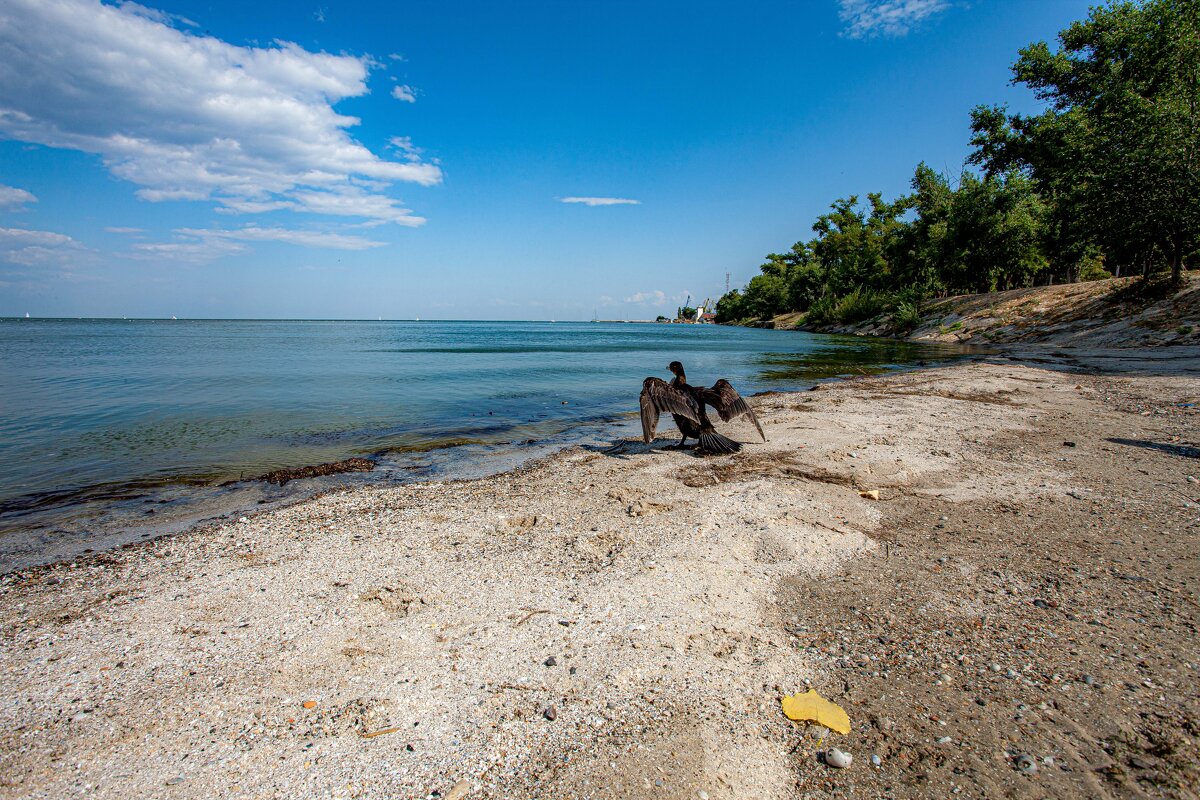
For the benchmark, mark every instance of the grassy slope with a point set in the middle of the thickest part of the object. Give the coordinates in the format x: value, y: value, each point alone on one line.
x: 1099, y: 314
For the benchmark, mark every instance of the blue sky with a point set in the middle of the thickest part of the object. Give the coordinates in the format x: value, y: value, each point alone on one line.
x: 463, y: 160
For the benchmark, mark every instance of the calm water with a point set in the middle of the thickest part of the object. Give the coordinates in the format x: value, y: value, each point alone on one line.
x: 101, y: 418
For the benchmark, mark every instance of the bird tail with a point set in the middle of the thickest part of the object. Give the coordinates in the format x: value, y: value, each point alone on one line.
x: 713, y: 442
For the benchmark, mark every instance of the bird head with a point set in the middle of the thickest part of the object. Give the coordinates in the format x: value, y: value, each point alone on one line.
x: 676, y: 368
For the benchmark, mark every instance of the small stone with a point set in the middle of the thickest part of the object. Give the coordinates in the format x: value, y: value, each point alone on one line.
x: 1068, y: 444
x: 702, y: 795
x: 1026, y: 764
x: 944, y: 740
x: 459, y: 790
x: 550, y: 713
x: 550, y: 662
x: 818, y: 732
x: 178, y: 779
x: 1041, y: 603
x: 876, y: 760
x: 837, y: 759
x: 1089, y: 680
x: 309, y: 704
x: 997, y: 668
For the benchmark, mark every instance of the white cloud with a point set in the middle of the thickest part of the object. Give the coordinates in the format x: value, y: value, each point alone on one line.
x: 658, y: 297
x: 131, y: 231
x: 199, y: 245
x: 405, y: 145
x: 193, y: 251
x: 33, y: 248
x: 654, y: 298
x: 12, y: 197
x: 153, y: 13
x: 253, y: 233
x: 404, y: 93
x: 869, y: 18
x: 192, y: 117
x: 601, y: 201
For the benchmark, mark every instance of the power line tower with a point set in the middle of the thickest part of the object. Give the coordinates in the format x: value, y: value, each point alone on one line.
x: 726, y: 283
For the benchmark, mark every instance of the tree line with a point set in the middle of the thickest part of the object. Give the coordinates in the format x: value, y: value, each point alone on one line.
x: 1105, y: 181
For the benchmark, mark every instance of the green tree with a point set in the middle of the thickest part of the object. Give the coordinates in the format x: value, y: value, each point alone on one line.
x: 993, y: 235
x: 1118, y: 150
x: 855, y: 248
x: 731, y: 307
x: 919, y: 255
x: 765, y: 296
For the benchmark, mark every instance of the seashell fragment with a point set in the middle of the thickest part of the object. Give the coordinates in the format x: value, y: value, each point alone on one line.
x: 1026, y: 764
x: 837, y: 759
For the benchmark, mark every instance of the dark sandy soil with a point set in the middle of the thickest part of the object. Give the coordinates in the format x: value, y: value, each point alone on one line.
x: 1058, y: 627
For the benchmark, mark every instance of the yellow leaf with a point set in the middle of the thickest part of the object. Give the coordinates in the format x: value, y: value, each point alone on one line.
x: 810, y: 706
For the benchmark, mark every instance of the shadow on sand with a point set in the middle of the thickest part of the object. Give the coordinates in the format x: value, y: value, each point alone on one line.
x: 1170, y: 360
x: 1187, y: 451
x: 624, y: 448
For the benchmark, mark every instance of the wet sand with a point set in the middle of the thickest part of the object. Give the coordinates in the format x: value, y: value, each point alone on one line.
x: 621, y: 622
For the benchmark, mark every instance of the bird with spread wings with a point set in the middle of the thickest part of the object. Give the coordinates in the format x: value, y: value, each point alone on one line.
x: 685, y: 403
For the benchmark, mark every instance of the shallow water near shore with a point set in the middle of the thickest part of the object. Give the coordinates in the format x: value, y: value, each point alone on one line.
x: 114, y: 430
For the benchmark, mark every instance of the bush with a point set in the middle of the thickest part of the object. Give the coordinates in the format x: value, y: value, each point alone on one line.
x: 1092, y: 268
x: 906, y: 317
x: 821, y: 312
x: 859, y: 305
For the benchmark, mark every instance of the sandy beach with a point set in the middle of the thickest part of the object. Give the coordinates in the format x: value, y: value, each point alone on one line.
x: 622, y: 622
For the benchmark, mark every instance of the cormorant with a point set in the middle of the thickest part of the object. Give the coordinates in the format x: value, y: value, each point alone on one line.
x: 686, y: 404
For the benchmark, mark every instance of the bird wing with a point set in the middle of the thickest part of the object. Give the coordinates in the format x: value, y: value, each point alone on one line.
x: 659, y: 396
x: 729, y: 404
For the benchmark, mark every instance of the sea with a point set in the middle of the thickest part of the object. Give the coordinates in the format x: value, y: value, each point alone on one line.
x: 113, y: 431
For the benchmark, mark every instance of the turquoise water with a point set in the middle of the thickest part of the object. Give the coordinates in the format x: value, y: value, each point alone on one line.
x: 99, y: 413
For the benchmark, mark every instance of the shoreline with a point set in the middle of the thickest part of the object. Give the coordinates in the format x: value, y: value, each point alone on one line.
x: 677, y: 597
x: 208, y: 503
x: 176, y: 506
